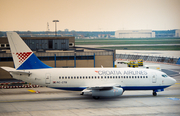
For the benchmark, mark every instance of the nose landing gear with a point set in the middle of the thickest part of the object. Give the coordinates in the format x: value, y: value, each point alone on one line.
x: 154, y: 93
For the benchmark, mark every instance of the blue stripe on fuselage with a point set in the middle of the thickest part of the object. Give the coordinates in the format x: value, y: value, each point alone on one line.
x: 143, y: 87
x: 33, y: 63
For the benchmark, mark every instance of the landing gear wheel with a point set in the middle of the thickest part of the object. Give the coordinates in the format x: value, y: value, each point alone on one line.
x: 154, y: 93
x: 96, y: 97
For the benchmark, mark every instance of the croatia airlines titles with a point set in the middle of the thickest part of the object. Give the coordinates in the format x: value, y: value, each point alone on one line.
x: 115, y: 72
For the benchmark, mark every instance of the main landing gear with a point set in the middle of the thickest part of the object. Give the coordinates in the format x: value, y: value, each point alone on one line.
x: 96, y: 97
x: 154, y: 93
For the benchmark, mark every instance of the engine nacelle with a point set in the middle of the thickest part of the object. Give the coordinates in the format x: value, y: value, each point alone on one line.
x: 115, y: 91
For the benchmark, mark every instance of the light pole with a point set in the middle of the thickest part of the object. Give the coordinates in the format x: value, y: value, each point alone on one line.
x: 55, y: 26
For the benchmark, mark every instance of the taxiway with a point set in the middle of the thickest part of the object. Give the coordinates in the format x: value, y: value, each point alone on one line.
x: 58, y: 102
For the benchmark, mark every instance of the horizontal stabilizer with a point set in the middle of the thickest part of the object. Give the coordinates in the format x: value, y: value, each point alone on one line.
x: 12, y: 70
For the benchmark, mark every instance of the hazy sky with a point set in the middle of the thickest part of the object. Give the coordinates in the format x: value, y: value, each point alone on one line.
x: 89, y: 15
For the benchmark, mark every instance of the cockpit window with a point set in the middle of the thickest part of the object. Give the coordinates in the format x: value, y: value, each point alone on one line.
x: 164, y: 76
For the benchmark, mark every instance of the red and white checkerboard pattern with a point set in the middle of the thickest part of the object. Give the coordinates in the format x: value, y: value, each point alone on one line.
x: 22, y: 56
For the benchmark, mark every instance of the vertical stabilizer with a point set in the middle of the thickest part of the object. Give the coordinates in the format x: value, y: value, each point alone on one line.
x: 22, y: 55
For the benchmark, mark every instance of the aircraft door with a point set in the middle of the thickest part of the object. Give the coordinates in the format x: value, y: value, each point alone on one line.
x: 48, y: 78
x: 154, y: 78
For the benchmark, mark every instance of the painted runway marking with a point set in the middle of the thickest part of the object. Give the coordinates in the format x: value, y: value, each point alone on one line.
x: 173, y: 98
x: 32, y: 91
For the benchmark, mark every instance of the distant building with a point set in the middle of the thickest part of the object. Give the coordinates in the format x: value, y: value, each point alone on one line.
x: 104, y: 35
x: 66, y: 30
x: 147, y: 33
x: 43, y: 43
x: 134, y: 34
x: 177, y: 33
x: 165, y: 33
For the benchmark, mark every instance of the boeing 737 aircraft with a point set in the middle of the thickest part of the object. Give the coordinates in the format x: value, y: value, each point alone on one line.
x: 99, y: 82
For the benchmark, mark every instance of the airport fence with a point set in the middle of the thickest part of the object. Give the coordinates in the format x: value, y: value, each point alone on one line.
x: 149, y: 58
x: 38, y: 54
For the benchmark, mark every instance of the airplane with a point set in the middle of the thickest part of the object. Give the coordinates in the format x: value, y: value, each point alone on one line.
x: 98, y: 82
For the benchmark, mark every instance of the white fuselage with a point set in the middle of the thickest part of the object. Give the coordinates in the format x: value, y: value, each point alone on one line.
x: 81, y: 78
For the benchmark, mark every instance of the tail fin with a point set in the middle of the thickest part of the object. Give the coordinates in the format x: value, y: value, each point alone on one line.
x: 22, y: 55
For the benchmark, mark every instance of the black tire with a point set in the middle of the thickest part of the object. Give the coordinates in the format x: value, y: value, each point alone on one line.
x: 96, y: 97
x: 154, y: 93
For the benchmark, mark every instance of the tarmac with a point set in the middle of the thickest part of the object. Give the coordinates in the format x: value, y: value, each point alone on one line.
x: 21, y: 102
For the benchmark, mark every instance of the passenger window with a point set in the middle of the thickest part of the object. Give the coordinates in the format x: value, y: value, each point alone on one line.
x: 65, y: 77
x: 68, y: 77
x: 143, y: 76
x: 146, y: 76
x: 101, y: 77
x: 132, y: 76
x: 74, y: 77
x: 62, y: 77
x: 129, y: 76
x: 59, y: 77
x: 71, y: 77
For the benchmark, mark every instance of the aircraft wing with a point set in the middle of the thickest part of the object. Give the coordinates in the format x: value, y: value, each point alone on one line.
x: 101, y: 87
x: 13, y: 70
x: 105, y: 86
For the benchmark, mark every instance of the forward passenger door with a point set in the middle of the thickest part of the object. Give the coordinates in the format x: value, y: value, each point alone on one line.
x: 154, y: 78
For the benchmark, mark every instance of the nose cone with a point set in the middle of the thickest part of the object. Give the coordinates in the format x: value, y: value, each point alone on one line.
x: 173, y: 81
